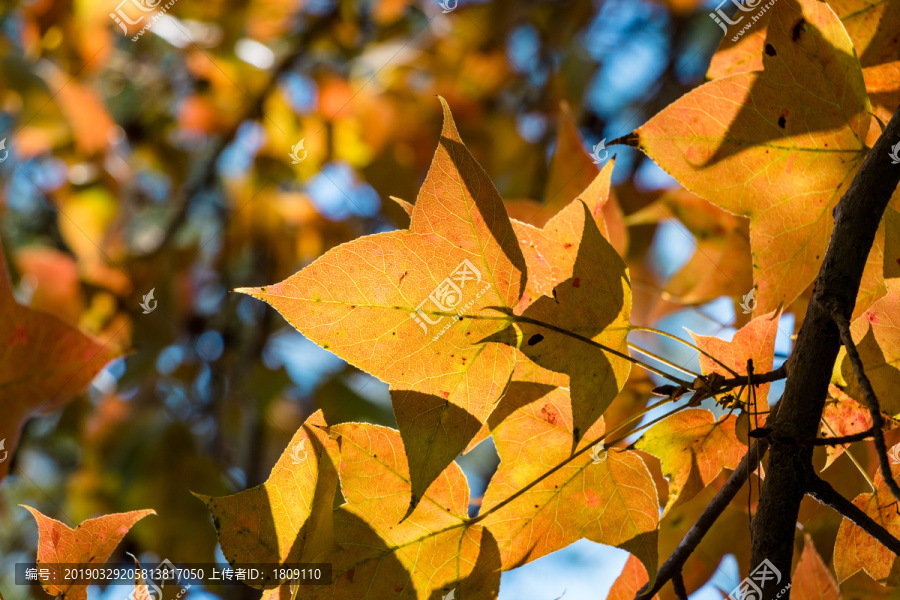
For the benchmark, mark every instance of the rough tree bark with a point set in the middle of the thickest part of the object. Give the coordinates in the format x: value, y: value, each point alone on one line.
x: 809, y: 368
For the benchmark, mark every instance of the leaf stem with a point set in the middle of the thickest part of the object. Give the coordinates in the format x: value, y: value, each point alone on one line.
x: 662, y: 360
x: 688, y: 344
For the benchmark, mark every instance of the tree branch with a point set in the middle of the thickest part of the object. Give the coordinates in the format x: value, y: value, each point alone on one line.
x: 843, y: 326
x: 821, y: 490
x: 675, y: 563
x: 678, y: 584
x: 857, y: 217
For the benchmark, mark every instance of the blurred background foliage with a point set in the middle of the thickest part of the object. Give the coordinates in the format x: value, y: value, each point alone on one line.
x: 163, y: 163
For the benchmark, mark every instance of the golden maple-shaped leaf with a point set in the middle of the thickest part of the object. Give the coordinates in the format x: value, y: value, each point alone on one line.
x: 591, y: 299
x: 779, y: 146
x: 44, y: 363
x: 389, y: 304
x: 856, y: 550
x: 287, y: 519
x: 541, y: 499
x: 756, y: 341
x: 632, y: 579
x: 434, y: 551
x: 877, y: 336
x: 693, y: 448
x: 871, y: 26
x: 812, y: 580
x: 91, y: 543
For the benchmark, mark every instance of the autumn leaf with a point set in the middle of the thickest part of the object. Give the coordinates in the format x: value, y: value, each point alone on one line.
x: 693, y: 448
x: 875, y: 333
x: 812, y: 580
x: 844, y: 416
x: 591, y: 303
x: 756, y: 341
x: 44, y: 363
x: 388, y: 303
x: 779, y: 146
x: 632, y: 579
x: 856, y: 550
x: 870, y: 26
x: 541, y: 499
x: 433, y: 551
x: 287, y: 519
x: 91, y: 543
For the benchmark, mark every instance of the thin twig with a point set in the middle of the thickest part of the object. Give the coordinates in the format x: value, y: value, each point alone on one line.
x: 843, y: 326
x: 821, y: 490
x: 678, y: 584
x: 838, y: 441
x: 675, y: 563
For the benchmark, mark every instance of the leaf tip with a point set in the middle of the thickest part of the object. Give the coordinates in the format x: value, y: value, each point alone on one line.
x: 633, y: 140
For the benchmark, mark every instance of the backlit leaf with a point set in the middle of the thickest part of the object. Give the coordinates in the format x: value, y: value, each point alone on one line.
x: 779, y: 146
x: 435, y: 550
x: 811, y: 578
x: 387, y: 303
x: 287, y: 519
x: 91, y: 543
x: 44, y: 363
x: 592, y: 300
x: 856, y: 550
x: 605, y: 496
x: 632, y: 579
x: 693, y: 448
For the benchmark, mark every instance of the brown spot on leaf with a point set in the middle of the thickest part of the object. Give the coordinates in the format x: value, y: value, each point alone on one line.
x: 770, y: 50
x: 536, y: 338
x: 798, y: 28
x: 576, y: 283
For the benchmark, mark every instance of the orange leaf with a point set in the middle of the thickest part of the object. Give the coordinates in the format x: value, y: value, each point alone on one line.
x: 779, y: 146
x: 433, y: 551
x: 592, y: 300
x: 44, y: 363
x: 632, y: 579
x: 856, y: 550
x: 607, y: 497
x: 755, y: 340
x: 91, y: 543
x: 869, y: 25
x: 876, y: 335
x: 845, y: 416
x: 812, y: 580
x: 388, y: 303
x: 693, y: 448
x: 287, y: 519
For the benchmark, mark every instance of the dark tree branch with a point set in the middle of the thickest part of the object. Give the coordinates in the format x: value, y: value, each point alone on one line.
x: 857, y: 217
x: 675, y: 563
x: 821, y: 490
x: 843, y: 326
x: 678, y: 584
